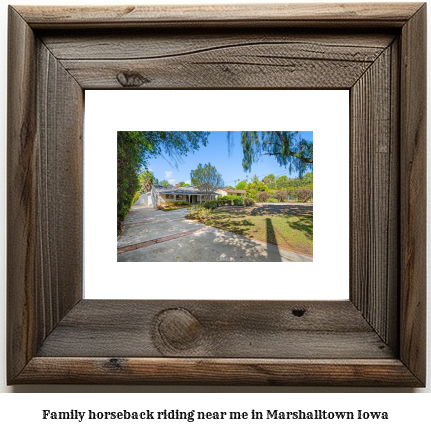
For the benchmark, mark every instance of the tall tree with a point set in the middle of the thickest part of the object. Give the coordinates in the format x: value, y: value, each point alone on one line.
x: 146, y: 178
x: 207, y: 179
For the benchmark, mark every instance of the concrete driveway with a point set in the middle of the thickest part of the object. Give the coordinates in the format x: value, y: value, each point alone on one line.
x: 153, y: 235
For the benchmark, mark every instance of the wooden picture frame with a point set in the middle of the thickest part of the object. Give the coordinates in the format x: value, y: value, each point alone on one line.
x: 376, y: 338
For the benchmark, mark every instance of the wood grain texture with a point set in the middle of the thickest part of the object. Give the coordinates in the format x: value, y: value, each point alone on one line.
x: 300, y: 14
x: 229, y: 71
x: 45, y: 105
x: 53, y: 336
x: 413, y: 194
x: 210, y: 60
x: 217, y: 371
x: 141, y: 44
x: 21, y: 194
x: 392, y: 305
x: 59, y: 182
x: 374, y: 194
x: 241, y: 329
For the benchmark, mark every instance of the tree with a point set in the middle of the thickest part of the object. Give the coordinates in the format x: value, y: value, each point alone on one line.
x: 206, y: 179
x: 129, y: 161
x: 288, y: 147
x: 282, y: 182
x: 308, y: 178
x: 252, y: 189
x: 135, y: 148
x: 263, y: 196
x: 241, y: 185
x: 269, y: 179
x: 281, y: 195
x: 304, y: 194
x: 164, y: 183
x: 182, y: 184
x: 146, y: 178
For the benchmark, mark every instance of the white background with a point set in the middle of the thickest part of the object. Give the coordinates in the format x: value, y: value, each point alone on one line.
x: 24, y: 410
x: 324, y: 112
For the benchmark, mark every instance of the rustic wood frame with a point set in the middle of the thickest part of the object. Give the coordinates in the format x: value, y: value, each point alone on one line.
x: 376, y: 338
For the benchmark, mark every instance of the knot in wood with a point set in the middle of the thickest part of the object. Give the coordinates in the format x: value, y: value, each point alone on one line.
x: 131, y: 79
x: 298, y: 312
x: 178, y: 328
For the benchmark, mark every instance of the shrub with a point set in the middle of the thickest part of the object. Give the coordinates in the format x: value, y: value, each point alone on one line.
x: 209, y: 204
x: 292, y: 193
x: 304, y: 194
x: 272, y: 200
x: 174, y: 203
x: 238, y: 201
x: 195, y: 207
x: 199, y: 213
x: 281, y: 195
x: 263, y: 196
x: 225, y: 200
x: 249, y: 201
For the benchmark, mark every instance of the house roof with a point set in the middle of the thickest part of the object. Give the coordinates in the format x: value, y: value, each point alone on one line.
x: 233, y: 190
x: 187, y: 190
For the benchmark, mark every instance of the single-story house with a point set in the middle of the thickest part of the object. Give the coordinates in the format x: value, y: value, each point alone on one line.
x: 160, y: 194
x: 227, y: 191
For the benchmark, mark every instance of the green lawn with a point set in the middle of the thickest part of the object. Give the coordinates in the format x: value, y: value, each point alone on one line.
x: 287, y: 226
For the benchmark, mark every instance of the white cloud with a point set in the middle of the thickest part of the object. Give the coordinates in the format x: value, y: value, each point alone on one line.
x: 168, y: 174
x: 188, y: 181
x: 172, y: 181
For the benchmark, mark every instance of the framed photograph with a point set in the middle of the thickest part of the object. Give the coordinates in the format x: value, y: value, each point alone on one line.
x: 374, y: 338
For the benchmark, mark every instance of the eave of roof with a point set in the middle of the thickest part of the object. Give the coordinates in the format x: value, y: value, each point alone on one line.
x: 181, y: 191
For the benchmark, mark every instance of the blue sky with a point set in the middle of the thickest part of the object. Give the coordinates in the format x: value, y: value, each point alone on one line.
x: 216, y: 153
